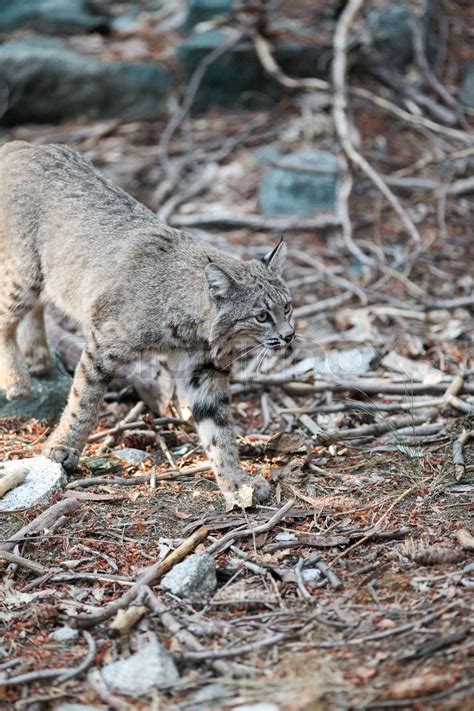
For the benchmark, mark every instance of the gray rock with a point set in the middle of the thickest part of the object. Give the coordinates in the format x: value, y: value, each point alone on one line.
x: 42, y: 481
x: 257, y: 707
x: 204, y: 10
x: 131, y: 455
x: 467, y: 90
x: 237, y: 78
x: 194, y: 575
x: 64, y: 634
x: 46, y: 401
x: 142, y: 672
x: 77, y: 707
x: 391, y: 28
x: 210, y: 696
x: 302, y: 184
x: 51, y: 16
x: 311, y: 575
x: 52, y: 83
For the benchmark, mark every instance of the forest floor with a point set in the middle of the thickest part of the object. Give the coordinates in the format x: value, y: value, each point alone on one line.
x: 357, y: 593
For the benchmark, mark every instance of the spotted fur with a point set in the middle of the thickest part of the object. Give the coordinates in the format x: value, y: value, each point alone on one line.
x: 135, y: 286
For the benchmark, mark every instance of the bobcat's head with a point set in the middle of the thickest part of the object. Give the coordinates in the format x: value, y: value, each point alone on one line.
x: 253, y: 305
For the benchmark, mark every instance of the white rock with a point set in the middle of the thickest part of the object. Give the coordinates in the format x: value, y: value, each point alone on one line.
x: 131, y: 455
x: 142, y: 672
x: 194, y: 575
x: 64, y: 634
x: 77, y: 707
x: 43, y: 479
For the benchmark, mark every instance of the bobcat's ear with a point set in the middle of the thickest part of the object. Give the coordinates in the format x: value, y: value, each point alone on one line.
x: 275, y: 260
x: 219, y: 281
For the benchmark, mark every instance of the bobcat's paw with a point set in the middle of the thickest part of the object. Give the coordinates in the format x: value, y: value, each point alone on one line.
x: 39, y: 361
x: 17, y: 387
x: 68, y: 457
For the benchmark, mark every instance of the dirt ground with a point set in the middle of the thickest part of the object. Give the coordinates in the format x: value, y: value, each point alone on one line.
x: 384, y: 618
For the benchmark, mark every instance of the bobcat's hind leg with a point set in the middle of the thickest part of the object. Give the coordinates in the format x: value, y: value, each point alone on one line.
x: 31, y: 337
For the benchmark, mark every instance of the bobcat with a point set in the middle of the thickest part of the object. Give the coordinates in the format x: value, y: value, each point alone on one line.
x: 134, y: 285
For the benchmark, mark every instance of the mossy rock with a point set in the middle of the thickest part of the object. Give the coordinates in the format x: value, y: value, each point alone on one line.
x: 50, y: 83
x: 47, y: 399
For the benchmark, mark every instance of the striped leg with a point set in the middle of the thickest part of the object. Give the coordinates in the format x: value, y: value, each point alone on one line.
x: 93, y: 373
x: 205, y: 388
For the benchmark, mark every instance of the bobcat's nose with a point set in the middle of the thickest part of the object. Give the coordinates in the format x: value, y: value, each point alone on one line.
x: 289, y: 337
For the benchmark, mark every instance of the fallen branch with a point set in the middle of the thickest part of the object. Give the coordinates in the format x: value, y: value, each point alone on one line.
x: 45, y: 520
x: 135, y: 412
x: 341, y: 121
x: 263, y: 528
x: 388, y: 425
x: 148, y: 577
x: 125, y: 620
x: 458, y: 457
x: 178, y: 631
x: 133, y: 480
x: 22, y: 562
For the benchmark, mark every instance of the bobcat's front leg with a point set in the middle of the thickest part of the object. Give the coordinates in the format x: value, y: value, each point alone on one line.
x: 93, y: 373
x: 205, y: 388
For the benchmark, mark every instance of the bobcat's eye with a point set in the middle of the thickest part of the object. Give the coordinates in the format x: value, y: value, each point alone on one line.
x: 262, y: 316
x: 288, y: 307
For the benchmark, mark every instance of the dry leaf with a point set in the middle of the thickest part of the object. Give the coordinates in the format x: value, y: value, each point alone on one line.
x: 421, y: 685
x: 181, y: 514
x: 286, y: 442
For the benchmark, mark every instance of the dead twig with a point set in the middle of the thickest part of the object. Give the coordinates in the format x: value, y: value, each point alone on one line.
x: 263, y: 528
x: 458, y: 457
x: 64, y: 673
x: 136, y: 410
x: 134, y: 480
x: 341, y: 121
x: 45, y: 520
x: 376, y: 525
x: 148, y: 577
x: 125, y: 620
x: 22, y: 562
x: 179, y: 632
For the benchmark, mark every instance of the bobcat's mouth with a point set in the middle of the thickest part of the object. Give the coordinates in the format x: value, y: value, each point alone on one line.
x: 274, y: 345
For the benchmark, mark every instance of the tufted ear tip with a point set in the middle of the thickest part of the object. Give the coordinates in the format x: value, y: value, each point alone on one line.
x: 275, y: 260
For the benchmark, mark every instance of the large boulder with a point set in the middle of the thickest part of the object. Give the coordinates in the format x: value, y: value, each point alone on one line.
x: 47, y: 82
x: 301, y: 183
x: 237, y: 77
x: 51, y: 16
x: 46, y: 401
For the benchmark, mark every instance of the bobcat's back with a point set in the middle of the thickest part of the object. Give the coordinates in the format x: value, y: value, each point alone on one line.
x: 82, y: 227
